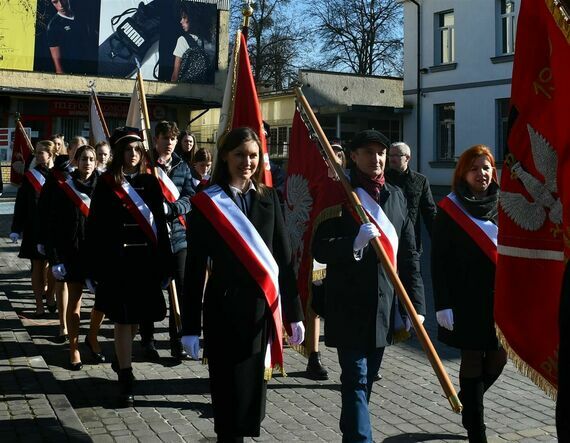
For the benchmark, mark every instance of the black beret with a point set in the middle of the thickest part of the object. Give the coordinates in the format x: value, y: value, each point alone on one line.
x: 126, y: 133
x: 369, y: 136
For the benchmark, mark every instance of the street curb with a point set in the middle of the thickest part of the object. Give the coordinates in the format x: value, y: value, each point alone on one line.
x: 66, y: 415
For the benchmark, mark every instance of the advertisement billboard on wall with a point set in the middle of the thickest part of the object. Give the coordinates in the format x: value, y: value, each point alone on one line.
x: 172, y: 40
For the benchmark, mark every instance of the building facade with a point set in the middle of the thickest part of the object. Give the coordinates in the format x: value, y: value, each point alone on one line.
x: 457, y: 79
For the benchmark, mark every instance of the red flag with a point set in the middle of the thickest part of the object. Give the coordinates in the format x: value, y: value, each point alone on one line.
x: 241, y: 104
x: 311, y: 196
x: 21, y: 152
x: 532, y: 223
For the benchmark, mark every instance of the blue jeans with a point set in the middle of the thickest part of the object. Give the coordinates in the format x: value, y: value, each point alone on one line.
x: 358, y: 368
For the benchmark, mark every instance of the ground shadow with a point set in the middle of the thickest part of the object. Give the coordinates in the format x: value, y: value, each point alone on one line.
x: 417, y: 437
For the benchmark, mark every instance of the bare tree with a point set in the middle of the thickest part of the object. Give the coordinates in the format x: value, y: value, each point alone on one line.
x: 363, y: 36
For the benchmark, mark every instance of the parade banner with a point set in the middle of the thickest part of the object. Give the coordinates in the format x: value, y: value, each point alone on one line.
x: 240, y: 106
x: 533, y: 204
x: 21, y: 152
x: 98, y: 127
x: 173, y: 40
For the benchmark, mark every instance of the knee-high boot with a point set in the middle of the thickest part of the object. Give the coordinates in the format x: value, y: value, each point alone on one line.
x: 126, y: 380
x: 471, y: 396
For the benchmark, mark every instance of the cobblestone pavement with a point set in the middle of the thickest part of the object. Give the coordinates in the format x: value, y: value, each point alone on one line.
x: 43, y: 401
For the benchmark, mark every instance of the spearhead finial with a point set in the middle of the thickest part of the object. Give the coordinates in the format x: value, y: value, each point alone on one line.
x: 247, y: 9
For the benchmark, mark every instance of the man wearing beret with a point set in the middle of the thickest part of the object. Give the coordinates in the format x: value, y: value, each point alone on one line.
x: 361, y: 306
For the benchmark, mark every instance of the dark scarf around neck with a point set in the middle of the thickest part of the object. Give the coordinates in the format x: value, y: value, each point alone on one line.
x: 483, y: 209
x: 372, y: 186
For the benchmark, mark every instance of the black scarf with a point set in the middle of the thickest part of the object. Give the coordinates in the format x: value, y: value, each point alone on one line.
x: 483, y: 209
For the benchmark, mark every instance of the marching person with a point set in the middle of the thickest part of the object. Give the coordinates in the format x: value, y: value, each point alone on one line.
x: 103, y: 155
x: 175, y: 180
x: 360, y: 306
x: 127, y: 235
x: 464, y: 249
x: 66, y: 248
x: 236, y: 225
x: 26, y: 225
x: 201, y: 165
x: 186, y: 146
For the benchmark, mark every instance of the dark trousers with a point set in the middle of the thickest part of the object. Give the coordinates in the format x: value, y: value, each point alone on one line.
x: 358, y: 369
x: 563, y: 399
x: 146, y: 329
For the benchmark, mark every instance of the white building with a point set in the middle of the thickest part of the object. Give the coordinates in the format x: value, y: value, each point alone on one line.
x: 466, y: 50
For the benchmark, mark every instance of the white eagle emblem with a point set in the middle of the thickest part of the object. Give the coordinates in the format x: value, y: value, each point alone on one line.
x: 531, y: 215
x: 297, y: 215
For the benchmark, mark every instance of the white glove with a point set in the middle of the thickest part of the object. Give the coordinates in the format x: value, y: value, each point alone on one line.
x: 166, y: 208
x: 297, y: 333
x: 191, y: 344
x: 408, y: 322
x: 58, y: 271
x: 91, y: 285
x: 41, y: 249
x: 445, y: 318
x: 14, y: 236
x: 366, y: 233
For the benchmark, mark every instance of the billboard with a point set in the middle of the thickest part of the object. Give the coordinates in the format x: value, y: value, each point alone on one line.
x: 171, y: 40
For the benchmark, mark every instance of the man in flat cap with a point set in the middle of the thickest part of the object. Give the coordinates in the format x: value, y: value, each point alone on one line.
x: 361, y: 306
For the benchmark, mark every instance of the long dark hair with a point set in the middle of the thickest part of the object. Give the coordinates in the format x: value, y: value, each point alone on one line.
x: 116, y: 166
x: 230, y: 141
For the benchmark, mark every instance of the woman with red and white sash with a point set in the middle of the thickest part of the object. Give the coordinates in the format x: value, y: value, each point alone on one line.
x: 66, y: 248
x: 236, y: 224
x: 26, y: 225
x: 463, y: 272
x: 129, y: 249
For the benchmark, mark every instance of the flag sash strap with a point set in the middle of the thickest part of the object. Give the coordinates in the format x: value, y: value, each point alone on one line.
x: 136, y: 206
x: 388, y: 235
x: 81, y: 200
x: 169, y: 190
x: 36, y: 179
x: 245, y: 242
x: 482, y: 232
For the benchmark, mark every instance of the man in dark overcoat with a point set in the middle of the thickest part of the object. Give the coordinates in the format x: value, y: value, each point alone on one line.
x: 360, y: 306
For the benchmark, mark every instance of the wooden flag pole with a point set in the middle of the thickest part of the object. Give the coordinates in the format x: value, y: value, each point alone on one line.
x: 99, y: 110
x: 21, y: 128
x: 383, y: 257
x: 142, y: 100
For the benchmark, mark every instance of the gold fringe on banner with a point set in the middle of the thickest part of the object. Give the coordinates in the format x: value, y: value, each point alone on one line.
x: 525, y: 369
x: 561, y: 16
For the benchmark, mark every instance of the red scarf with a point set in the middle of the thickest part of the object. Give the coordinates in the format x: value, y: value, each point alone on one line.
x: 372, y: 186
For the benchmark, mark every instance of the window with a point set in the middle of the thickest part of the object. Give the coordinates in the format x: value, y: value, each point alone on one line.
x: 445, y: 38
x: 445, y: 131
x: 279, y: 143
x: 502, y: 106
x: 507, y: 27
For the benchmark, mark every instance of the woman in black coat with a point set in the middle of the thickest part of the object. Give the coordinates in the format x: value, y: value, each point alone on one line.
x: 26, y: 224
x: 127, y: 235
x: 463, y: 281
x: 238, y: 322
x: 66, y: 247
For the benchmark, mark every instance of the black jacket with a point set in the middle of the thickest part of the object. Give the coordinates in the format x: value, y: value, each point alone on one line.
x: 359, y: 307
x: 236, y: 316
x: 415, y: 187
x: 463, y: 280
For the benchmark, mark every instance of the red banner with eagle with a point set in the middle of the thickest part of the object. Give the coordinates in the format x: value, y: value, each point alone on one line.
x: 533, y: 205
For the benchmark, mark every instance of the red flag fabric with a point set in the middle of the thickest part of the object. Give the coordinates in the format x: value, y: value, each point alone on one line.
x: 241, y: 106
x: 533, y: 225
x: 311, y: 196
x: 20, y: 154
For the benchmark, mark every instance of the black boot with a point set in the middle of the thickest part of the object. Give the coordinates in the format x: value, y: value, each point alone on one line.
x: 472, y: 415
x: 126, y: 379
x: 489, y: 380
x: 177, y: 351
x: 315, y: 369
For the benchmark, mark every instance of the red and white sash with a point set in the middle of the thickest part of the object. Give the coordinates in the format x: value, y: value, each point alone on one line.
x: 79, y: 199
x: 169, y: 190
x: 136, y: 206
x: 36, y: 179
x: 482, y: 232
x: 388, y: 235
x: 245, y: 242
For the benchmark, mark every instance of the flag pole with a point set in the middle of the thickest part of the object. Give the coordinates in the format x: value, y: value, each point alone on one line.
x: 21, y: 128
x: 99, y: 110
x: 247, y: 12
x: 144, y: 108
x: 356, y: 205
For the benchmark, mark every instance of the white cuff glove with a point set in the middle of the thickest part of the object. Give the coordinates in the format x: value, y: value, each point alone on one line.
x: 166, y: 208
x: 41, y: 249
x: 408, y: 322
x: 297, y: 333
x: 58, y: 271
x: 191, y: 344
x: 445, y: 318
x: 366, y: 233
x: 91, y: 285
x: 14, y: 236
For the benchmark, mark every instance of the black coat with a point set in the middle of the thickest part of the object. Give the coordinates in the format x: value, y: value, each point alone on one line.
x: 419, y: 199
x: 359, y: 307
x: 237, y: 320
x: 27, y: 221
x: 463, y: 280
x: 126, y: 265
x: 66, y: 229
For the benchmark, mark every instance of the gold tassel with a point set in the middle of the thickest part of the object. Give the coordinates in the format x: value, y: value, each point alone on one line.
x: 560, y: 16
